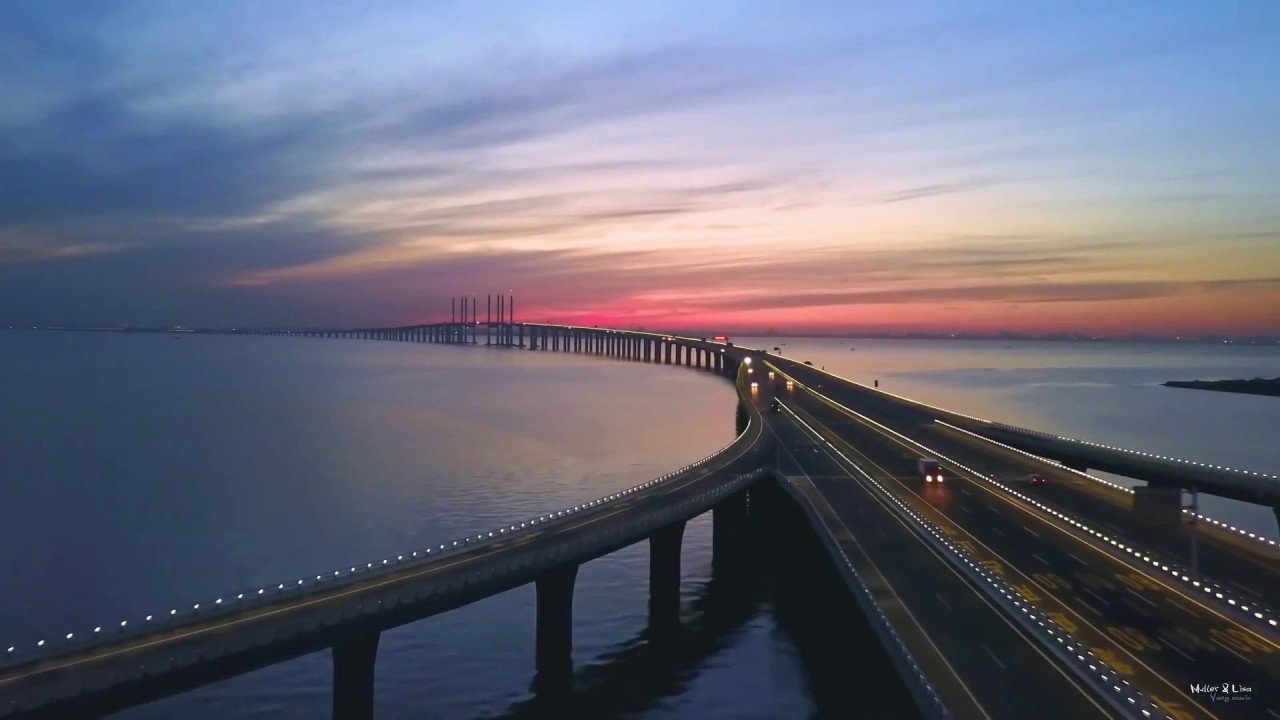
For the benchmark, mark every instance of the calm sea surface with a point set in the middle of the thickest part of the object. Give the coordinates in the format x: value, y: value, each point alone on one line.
x: 1104, y: 392
x: 141, y: 473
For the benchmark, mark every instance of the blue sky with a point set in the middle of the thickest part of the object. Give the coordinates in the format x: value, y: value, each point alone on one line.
x: 964, y: 165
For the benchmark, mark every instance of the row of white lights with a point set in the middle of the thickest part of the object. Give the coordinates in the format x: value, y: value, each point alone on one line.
x: 1239, y: 531
x: 884, y: 622
x: 1107, y: 677
x: 1172, y: 459
x: 1055, y: 463
x: 1212, y: 590
x: 12, y: 650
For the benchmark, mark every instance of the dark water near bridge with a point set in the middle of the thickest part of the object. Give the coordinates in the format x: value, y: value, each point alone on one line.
x: 142, y: 473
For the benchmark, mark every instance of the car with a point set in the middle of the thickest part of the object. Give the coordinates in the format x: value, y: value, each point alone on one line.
x: 929, y: 469
x: 775, y: 406
x: 1035, y: 479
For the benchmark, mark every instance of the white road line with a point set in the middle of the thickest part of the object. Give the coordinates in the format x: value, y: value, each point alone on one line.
x: 1002, y: 533
x: 1033, y: 532
x: 1046, y: 562
x: 962, y: 507
x: 1089, y: 607
x: 1096, y: 597
x: 1073, y: 557
x: 1233, y: 652
x: 966, y: 492
x: 1145, y: 600
x: 1135, y: 608
x: 994, y: 659
x: 1176, y: 649
x: 942, y: 600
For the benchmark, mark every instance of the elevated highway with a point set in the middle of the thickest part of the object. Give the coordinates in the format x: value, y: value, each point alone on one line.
x: 1252, y: 486
x: 1131, y: 605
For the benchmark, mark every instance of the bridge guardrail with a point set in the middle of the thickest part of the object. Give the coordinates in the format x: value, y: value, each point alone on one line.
x: 926, y: 697
x: 14, y: 655
x: 1083, y: 662
x: 1252, y: 612
x: 1024, y: 431
x: 480, y: 581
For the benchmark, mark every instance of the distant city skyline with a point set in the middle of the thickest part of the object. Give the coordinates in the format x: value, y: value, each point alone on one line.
x: 970, y: 167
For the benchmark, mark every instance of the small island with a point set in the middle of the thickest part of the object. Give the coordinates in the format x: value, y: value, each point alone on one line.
x: 1256, y: 386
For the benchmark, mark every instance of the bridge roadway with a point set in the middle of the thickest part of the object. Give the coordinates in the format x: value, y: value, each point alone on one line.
x: 120, y: 672
x: 1247, y: 486
x: 1161, y: 635
x: 1249, y: 566
x: 979, y: 662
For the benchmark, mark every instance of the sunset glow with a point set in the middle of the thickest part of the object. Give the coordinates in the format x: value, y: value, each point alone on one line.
x: 1065, y: 167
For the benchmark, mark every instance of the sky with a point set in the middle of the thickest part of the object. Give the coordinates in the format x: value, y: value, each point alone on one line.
x: 967, y: 166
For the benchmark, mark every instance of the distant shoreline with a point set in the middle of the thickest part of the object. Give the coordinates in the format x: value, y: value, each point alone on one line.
x: 1256, y: 386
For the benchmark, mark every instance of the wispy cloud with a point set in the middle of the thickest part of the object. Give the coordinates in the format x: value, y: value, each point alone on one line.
x: 294, y: 160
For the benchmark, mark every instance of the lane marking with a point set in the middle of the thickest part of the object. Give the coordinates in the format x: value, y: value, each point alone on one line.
x: 1230, y: 650
x: 942, y: 600
x: 1176, y: 649
x: 994, y: 659
x: 942, y: 656
x: 946, y: 563
x: 1073, y: 557
x: 1135, y: 608
x: 1097, y: 597
x: 926, y: 507
x: 1122, y: 561
x: 1046, y: 562
x: 1145, y: 600
x: 1033, y: 532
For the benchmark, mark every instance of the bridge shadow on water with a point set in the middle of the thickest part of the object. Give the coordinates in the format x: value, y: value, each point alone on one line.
x: 774, y: 567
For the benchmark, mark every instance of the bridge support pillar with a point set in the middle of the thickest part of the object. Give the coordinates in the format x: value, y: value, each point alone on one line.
x: 554, y: 641
x: 728, y: 523
x: 664, y: 576
x: 353, y: 662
